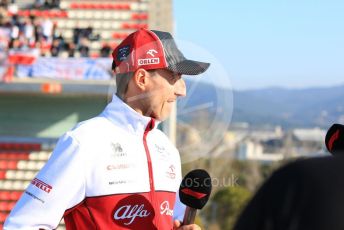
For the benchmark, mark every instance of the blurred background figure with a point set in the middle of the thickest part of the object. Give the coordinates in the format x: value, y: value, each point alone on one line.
x: 307, y: 194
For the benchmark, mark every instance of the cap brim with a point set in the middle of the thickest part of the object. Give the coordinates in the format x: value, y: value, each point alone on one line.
x: 189, y: 67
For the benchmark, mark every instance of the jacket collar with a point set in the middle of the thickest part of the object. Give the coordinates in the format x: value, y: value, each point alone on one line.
x: 121, y: 114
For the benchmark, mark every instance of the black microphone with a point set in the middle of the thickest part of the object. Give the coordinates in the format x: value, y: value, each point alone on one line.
x: 194, y: 192
x: 334, y: 139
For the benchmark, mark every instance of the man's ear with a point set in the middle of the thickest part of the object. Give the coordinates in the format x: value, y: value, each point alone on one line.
x: 141, y: 78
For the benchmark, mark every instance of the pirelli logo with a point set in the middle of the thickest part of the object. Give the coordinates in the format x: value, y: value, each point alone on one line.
x: 41, y: 185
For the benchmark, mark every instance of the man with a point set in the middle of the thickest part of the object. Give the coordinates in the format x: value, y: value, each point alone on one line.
x: 117, y: 170
x: 306, y: 194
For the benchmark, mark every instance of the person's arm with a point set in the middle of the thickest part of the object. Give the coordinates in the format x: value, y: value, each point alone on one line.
x: 60, y: 185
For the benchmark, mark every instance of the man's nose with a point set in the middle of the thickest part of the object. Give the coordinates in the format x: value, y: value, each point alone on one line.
x: 180, y: 88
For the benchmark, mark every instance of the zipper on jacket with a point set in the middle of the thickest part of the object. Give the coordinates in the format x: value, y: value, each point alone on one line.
x: 149, y: 127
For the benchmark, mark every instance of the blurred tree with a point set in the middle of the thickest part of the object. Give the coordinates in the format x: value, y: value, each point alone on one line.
x: 226, y: 205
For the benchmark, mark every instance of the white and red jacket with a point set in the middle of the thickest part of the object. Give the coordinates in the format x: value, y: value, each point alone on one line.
x: 114, y: 171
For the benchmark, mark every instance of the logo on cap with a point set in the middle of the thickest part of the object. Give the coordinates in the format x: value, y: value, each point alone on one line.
x: 148, y: 61
x: 152, y: 52
x: 123, y: 53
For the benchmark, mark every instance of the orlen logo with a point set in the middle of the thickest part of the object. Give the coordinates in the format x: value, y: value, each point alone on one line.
x: 165, y: 209
x: 148, y: 61
x: 134, y: 212
x: 41, y: 185
x: 152, y: 52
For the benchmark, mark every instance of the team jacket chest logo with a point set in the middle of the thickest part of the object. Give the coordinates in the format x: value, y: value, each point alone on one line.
x: 162, y: 152
x: 134, y: 212
x: 165, y: 209
x: 170, y: 173
x: 117, y: 150
x: 130, y: 212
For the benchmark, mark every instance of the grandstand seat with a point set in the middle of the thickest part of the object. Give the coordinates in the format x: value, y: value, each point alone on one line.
x: 5, y: 195
x: 40, y: 165
x: 74, y: 5
x: 88, y: 14
x: 116, y: 25
x: 64, y: 5
x: 19, y: 146
x: 72, y: 13
x: 15, y: 195
x: 107, y: 15
x: 2, y: 174
x: 135, y: 6
x: 19, y: 175
x: 70, y: 24
x: 97, y: 24
x: 10, y: 174
x: 80, y: 14
x: 106, y: 25
x: 3, y: 217
x: 22, y: 165
x: 134, y: 26
x: 4, y: 164
x: 7, y: 185
x: 14, y: 155
x: 125, y: 15
x: 98, y: 14
x: 41, y: 155
x: 142, y: 16
x: 29, y: 175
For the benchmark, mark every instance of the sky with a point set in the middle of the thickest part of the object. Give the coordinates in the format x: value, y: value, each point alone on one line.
x: 267, y: 43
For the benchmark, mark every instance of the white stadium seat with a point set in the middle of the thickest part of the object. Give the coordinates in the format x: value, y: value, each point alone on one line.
x: 98, y: 14
x: 134, y: 6
x: 72, y: 13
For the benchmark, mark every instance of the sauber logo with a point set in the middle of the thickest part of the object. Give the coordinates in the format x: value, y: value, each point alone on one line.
x: 152, y: 52
x: 130, y: 212
x: 165, y: 209
x: 41, y: 185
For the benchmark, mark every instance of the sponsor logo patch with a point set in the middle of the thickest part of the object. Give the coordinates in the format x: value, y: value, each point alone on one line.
x: 134, y: 212
x: 165, y: 209
x: 41, y: 185
x: 118, y: 166
x: 171, y: 172
x: 123, y: 53
x: 130, y: 212
x: 152, y: 52
x: 149, y: 61
x: 117, y: 150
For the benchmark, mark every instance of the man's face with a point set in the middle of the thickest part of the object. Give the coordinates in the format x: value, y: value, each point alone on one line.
x: 164, y: 88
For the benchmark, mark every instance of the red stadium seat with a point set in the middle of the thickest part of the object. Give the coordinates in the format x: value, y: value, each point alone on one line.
x: 2, y: 174
x: 20, y: 146
x: 10, y: 205
x: 6, y: 206
x: 4, y: 165
x: 15, y: 195
x: 3, y: 217
x: 5, y: 195
x: 74, y: 5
